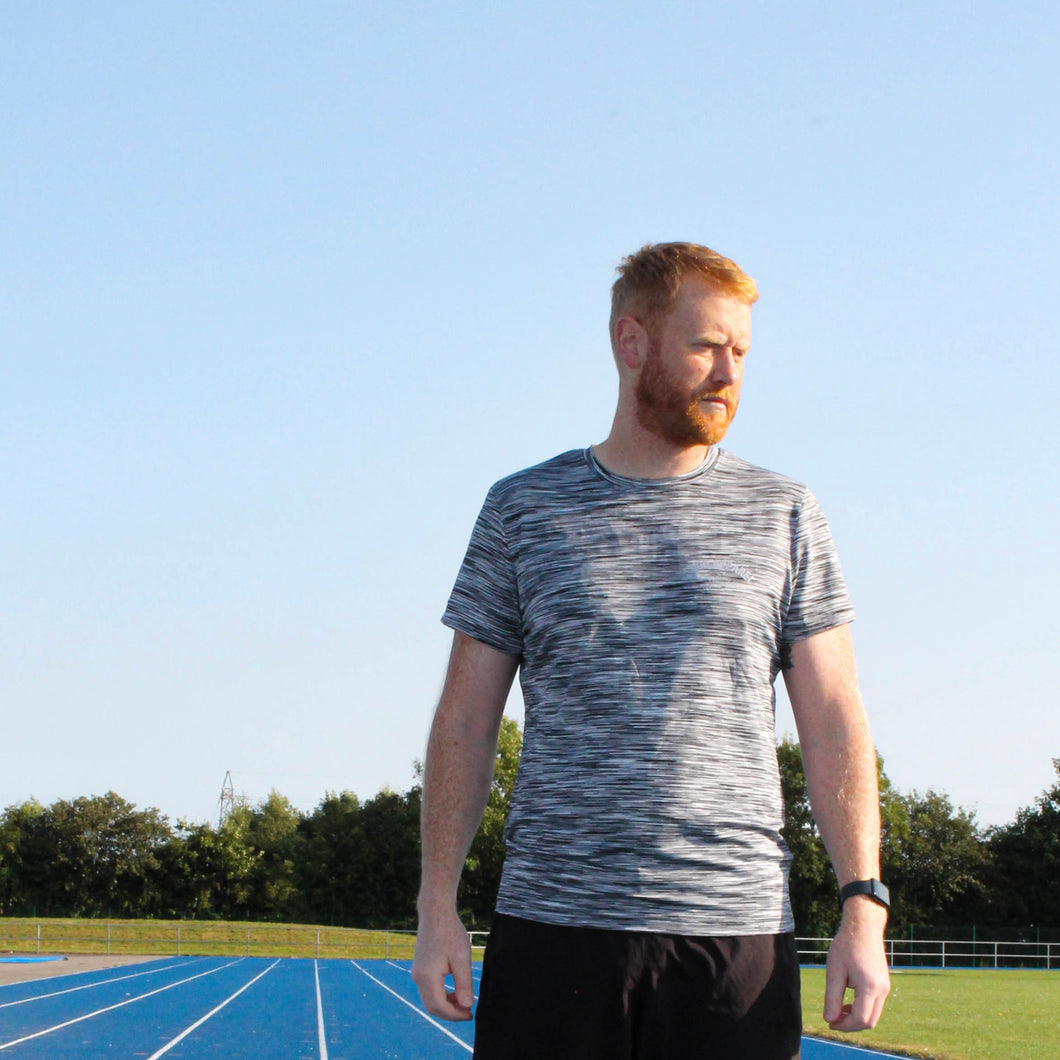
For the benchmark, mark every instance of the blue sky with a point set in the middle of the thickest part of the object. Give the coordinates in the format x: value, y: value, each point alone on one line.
x: 283, y: 290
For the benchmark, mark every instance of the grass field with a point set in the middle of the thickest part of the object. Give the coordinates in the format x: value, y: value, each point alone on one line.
x: 207, y: 937
x: 956, y: 1015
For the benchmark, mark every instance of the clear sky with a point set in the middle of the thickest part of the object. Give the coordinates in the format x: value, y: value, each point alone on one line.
x: 285, y: 288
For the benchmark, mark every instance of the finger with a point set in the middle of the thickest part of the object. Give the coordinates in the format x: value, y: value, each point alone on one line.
x: 869, y: 998
x: 464, y: 989
x: 456, y: 1010
x: 876, y: 1010
x: 841, y: 1021
x: 861, y: 1010
x: 432, y: 994
x: 863, y: 1014
x: 835, y: 985
x: 431, y: 984
x: 440, y: 1002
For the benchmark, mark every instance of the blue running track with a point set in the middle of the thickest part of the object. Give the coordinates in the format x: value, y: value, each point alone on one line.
x: 210, y: 1007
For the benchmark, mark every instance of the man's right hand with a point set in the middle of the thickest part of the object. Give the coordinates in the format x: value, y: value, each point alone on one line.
x: 444, y: 948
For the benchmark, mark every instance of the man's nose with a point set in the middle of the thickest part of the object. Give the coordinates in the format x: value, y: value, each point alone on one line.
x: 723, y: 370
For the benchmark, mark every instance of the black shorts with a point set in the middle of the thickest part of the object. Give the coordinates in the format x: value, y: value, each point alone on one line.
x: 563, y: 993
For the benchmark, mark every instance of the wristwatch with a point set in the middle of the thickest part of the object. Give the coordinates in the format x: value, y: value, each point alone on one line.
x: 873, y: 888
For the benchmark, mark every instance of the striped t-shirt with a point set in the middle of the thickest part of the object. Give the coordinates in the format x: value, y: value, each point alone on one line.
x: 650, y: 617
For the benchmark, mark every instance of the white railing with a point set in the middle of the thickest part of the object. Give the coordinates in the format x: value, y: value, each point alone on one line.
x: 160, y: 937
x: 950, y: 953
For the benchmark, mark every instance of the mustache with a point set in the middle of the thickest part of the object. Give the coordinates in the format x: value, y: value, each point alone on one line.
x: 725, y: 394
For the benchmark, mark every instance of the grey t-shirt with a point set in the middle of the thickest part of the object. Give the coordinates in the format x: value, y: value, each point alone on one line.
x: 650, y: 617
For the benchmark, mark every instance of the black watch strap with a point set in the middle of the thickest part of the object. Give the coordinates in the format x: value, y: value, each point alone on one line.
x: 873, y: 888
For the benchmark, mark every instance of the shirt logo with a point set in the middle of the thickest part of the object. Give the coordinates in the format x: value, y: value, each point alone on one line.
x: 711, y: 571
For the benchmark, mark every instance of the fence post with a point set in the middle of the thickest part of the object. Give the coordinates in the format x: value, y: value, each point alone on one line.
x: 318, y: 942
x: 995, y: 955
x: 178, y: 940
x: 943, y: 953
x: 386, y: 944
x: 38, y: 938
x: 248, y: 942
x: 108, y: 939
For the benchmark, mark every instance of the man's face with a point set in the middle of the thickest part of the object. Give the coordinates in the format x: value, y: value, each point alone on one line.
x: 689, y: 385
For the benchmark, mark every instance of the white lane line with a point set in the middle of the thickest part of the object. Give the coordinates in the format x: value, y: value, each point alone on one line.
x: 101, y: 982
x: 418, y: 1011
x: 213, y: 1012
x: 321, y: 1040
x: 111, y: 1008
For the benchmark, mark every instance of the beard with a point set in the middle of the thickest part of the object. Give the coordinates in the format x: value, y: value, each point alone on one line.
x: 677, y: 415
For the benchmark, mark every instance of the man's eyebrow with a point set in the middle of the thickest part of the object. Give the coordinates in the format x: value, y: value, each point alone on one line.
x: 719, y: 338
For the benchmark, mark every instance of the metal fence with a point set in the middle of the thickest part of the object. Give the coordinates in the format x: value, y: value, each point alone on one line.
x: 274, y: 940
x: 950, y: 953
x: 182, y: 938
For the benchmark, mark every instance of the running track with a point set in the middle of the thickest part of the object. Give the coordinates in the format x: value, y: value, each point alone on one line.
x: 192, y: 1007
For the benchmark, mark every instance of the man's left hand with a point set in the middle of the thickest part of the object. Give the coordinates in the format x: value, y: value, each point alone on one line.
x: 857, y: 959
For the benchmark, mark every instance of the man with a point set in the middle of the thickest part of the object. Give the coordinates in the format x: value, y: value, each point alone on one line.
x: 649, y: 590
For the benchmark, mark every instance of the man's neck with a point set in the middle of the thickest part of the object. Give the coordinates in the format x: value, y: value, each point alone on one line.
x: 647, y: 456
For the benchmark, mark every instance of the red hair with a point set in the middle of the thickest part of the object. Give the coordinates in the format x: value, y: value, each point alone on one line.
x: 648, y: 281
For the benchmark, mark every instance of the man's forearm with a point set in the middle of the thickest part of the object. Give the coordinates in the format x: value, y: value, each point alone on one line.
x: 459, y: 765
x: 456, y: 784
x: 839, y: 761
x: 838, y: 755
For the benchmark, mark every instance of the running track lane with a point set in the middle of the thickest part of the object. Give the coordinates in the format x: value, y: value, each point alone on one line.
x: 35, y: 990
x: 238, y: 1007
x: 134, y: 1016
x: 203, y: 1007
x: 375, y: 1005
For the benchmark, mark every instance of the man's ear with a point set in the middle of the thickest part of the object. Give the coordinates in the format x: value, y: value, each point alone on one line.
x: 631, y: 342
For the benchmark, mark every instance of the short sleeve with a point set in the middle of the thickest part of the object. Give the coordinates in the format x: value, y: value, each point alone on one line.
x: 484, y: 602
x: 818, y: 598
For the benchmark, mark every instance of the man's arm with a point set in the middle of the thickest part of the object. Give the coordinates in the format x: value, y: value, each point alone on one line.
x: 456, y: 784
x: 839, y: 759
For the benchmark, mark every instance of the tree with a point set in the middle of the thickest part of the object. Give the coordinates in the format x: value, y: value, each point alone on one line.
x: 190, y: 874
x: 235, y: 865
x: 333, y: 859
x: 1025, y: 856
x: 936, y: 864
x: 386, y: 889
x: 89, y: 857
x: 275, y: 843
x: 17, y: 824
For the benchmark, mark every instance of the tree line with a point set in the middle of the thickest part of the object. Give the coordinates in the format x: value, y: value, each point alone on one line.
x: 354, y: 863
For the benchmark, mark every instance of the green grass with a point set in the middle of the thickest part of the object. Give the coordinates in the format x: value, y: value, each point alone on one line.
x: 956, y: 1015
x: 210, y: 937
